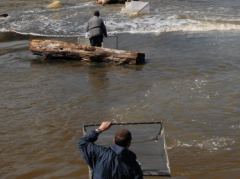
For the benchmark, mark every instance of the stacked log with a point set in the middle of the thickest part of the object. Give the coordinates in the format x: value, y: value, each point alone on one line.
x: 52, y: 49
x: 111, y: 1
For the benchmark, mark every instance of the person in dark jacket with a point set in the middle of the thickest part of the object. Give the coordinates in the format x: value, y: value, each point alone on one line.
x: 114, y: 162
x: 96, y: 29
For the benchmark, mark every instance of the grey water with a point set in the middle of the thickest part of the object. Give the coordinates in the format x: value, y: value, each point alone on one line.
x: 191, y: 82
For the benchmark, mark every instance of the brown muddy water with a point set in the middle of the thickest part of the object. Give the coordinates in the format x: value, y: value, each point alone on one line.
x: 191, y: 82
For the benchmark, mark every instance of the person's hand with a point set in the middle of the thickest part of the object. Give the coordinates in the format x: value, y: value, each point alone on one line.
x: 104, y: 126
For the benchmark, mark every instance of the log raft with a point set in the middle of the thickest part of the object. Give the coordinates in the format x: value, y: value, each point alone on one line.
x: 54, y: 49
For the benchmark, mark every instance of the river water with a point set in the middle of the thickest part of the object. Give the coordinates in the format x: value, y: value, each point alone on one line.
x: 191, y: 82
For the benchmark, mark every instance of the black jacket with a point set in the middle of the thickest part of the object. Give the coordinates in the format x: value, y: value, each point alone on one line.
x: 114, y: 162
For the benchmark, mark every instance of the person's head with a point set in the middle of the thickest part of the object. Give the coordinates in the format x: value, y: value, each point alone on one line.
x: 123, y: 137
x: 96, y: 13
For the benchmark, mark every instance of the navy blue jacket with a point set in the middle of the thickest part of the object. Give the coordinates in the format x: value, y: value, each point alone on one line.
x: 114, y: 162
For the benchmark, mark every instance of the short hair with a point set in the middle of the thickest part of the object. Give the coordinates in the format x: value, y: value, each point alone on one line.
x: 123, y: 137
x: 96, y: 13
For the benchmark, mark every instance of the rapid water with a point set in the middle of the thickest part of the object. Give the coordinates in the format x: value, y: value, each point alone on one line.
x: 166, y: 16
x: 191, y: 82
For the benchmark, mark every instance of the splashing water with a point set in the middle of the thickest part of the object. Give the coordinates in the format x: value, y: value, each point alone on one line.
x: 61, y: 23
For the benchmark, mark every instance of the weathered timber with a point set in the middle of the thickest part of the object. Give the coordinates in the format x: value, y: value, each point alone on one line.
x: 65, y: 50
x: 111, y: 1
x: 3, y: 15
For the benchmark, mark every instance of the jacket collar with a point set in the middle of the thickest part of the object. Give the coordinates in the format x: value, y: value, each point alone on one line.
x: 118, y: 149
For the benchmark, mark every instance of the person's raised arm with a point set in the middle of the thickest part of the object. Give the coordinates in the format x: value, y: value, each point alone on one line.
x: 89, y: 150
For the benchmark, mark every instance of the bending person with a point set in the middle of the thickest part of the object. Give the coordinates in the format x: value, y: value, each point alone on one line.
x: 114, y: 162
x: 96, y: 29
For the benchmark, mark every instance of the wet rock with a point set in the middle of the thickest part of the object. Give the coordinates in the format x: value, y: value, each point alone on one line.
x: 55, y: 4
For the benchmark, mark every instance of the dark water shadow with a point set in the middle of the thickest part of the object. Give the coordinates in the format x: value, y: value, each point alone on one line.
x: 12, y: 36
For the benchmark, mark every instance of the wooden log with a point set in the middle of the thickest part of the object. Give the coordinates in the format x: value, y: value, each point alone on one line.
x: 111, y: 1
x: 3, y: 15
x: 103, y: 2
x: 55, y: 4
x: 59, y: 49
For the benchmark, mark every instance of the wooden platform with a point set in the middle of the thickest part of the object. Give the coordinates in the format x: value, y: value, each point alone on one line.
x: 53, y: 49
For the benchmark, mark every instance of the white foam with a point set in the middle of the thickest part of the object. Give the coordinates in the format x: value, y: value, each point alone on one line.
x: 235, y: 126
x: 70, y: 26
x: 39, y: 34
x: 156, y: 25
x: 4, y: 30
x: 212, y: 144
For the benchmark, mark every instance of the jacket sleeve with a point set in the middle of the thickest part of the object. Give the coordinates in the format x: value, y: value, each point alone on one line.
x: 138, y: 171
x: 88, y: 149
x: 104, y: 29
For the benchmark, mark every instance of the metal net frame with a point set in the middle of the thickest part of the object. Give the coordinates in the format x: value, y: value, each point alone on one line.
x: 148, y: 143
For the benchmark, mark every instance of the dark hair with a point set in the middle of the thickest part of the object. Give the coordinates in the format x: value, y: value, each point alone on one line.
x: 96, y: 13
x: 123, y: 137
